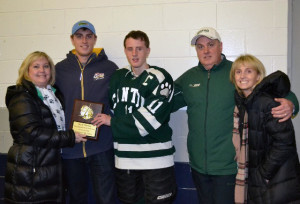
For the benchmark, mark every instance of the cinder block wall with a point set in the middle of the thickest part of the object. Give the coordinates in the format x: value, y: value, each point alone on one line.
x: 256, y: 27
x: 5, y: 137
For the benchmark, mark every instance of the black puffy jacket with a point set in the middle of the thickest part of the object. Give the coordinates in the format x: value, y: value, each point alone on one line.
x: 33, y: 173
x: 272, y: 147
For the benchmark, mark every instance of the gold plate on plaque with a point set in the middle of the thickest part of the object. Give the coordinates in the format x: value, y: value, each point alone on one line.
x: 82, y: 115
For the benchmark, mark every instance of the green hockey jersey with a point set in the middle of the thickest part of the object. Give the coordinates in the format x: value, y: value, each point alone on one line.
x: 141, y: 106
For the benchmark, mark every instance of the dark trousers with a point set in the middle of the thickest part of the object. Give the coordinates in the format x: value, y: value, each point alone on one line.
x: 155, y: 186
x: 214, y: 189
x: 99, y: 168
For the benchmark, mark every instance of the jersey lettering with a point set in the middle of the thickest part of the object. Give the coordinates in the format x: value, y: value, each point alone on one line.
x: 135, y: 96
x: 154, y: 106
x: 124, y: 94
x: 148, y: 77
x: 128, y: 95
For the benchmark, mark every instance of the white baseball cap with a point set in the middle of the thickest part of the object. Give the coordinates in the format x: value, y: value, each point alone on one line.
x: 208, y: 32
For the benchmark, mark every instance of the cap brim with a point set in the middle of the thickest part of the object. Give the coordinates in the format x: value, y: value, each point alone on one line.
x: 194, y: 40
x: 84, y: 27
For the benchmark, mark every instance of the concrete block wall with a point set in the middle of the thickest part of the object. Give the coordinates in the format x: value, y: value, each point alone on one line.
x: 256, y: 27
x: 5, y: 137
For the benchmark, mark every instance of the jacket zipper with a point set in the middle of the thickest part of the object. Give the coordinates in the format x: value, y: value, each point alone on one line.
x: 82, y: 94
x: 205, y: 134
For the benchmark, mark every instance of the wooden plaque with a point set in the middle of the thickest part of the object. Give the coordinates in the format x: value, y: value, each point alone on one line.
x: 82, y: 115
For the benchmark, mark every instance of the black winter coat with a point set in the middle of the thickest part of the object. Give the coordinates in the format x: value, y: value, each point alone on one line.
x: 33, y: 173
x: 272, y: 147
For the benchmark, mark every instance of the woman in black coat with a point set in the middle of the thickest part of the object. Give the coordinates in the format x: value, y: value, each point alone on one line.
x: 36, y: 117
x: 271, y: 160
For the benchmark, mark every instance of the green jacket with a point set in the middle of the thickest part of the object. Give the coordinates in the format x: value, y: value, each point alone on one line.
x: 209, y: 97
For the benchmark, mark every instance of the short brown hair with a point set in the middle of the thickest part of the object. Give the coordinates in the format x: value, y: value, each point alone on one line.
x: 137, y: 34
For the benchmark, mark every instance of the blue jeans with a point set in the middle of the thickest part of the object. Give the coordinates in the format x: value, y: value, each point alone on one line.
x: 214, y: 189
x: 99, y: 168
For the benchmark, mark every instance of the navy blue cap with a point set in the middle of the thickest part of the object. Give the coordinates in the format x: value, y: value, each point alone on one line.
x: 83, y: 24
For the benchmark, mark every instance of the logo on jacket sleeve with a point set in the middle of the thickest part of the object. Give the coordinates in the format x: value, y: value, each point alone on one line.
x: 194, y: 85
x: 98, y: 76
x: 165, y: 89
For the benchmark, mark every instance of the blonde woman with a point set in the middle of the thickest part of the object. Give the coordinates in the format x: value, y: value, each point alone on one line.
x: 37, y: 125
x: 269, y: 170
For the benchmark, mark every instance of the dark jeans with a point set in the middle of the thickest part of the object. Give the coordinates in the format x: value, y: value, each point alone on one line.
x: 100, y: 169
x: 214, y: 189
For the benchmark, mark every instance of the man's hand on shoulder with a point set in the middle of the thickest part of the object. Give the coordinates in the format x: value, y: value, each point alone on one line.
x: 284, y: 111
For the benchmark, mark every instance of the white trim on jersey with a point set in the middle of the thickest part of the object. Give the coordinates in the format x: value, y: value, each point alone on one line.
x: 159, y: 75
x: 149, y: 117
x: 172, y: 93
x: 144, y: 163
x: 143, y: 132
x: 143, y: 147
x: 154, y: 92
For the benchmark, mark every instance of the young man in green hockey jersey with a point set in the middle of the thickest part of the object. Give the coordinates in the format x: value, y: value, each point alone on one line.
x: 141, y: 97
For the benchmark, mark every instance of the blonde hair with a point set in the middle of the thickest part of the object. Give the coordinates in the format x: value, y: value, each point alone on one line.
x: 23, y: 71
x: 250, y: 61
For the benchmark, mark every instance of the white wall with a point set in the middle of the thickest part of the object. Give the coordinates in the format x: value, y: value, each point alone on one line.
x: 256, y: 27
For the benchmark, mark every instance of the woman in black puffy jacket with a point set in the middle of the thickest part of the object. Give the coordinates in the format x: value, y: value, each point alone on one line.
x: 270, y: 153
x: 36, y: 117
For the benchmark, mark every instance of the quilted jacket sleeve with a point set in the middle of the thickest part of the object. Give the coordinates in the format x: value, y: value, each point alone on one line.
x: 282, y: 144
x: 32, y: 123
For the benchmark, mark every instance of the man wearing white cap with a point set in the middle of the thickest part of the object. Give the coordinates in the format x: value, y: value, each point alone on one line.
x: 209, y: 97
x: 85, y: 75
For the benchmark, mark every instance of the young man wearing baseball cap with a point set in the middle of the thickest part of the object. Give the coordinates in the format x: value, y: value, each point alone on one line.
x: 85, y: 75
x: 209, y: 96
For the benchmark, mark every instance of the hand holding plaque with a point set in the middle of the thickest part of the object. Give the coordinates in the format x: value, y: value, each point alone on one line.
x: 82, y: 115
